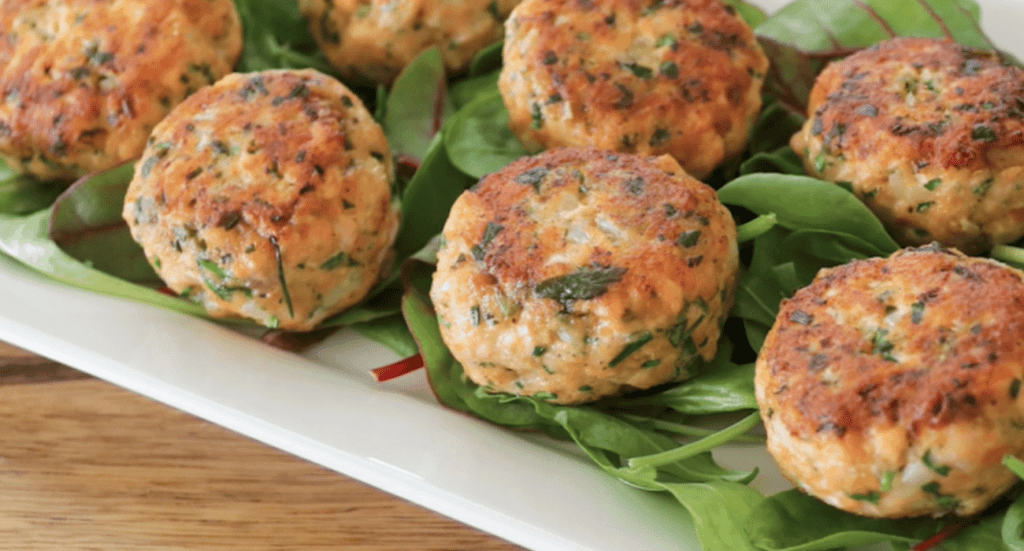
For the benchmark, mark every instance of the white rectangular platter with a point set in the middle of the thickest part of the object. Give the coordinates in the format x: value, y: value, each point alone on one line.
x: 325, y: 407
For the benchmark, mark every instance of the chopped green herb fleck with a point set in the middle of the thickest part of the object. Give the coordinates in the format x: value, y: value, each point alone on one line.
x: 474, y: 316
x: 669, y: 69
x: 147, y: 166
x: 536, y: 117
x: 635, y: 186
x: 881, y: 346
x: 586, y: 388
x: 666, y: 40
x: 220, y: 148
x: 212, y: 267
x: 659, y: 137
x: 688, y: 239
x: 942, y: 500
x: 99, y: 58
x: 983, y: 133
x: 631, y: 348
x: 867, y: 110
x: 490, y: 231
x: 870, y: 497
x: 650, y: 363
x: 583, y: 284
x: 532, y: 177
x: 340, y: 259
x: 982, y: 188
x: 886, y: 481
x: 820, y: 161
x: 639, y: 70
x: 1015, y: 388
x: 280, y: 274
x: 929, y: 462
x: 917, y: 312
x: 539, y: 351
x: 229, y: 220
x: 922, y: 207
x: 801, y: 317
x: 625, y: 100
x: 932, y: 184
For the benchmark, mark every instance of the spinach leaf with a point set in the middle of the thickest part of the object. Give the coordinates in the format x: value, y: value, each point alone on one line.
x: 389, y: 331
x: 802, y: 37
x: 610, y: 440
x: 750, y: 13
x: 716, y: 391
x: 487, y: 60
x: 1012, y: 529
x: 478, y: 137
x: 719, y: 511
x: 818, y: 224
x: 774, y: 127
x: 466, y: 90
x: 86, y: 223
x: 427, y: 199
x: 622, y: 440
x: 23, y: 194
x: 417, y: 105
x: 780, y: 523
x: 25, y: 239
x: 801, y: 202
x: 276, y: 36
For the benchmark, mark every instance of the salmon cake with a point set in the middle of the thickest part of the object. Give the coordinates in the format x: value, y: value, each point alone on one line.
x: 267, y: 196
x: 83, y: 82
x: 374, y: 40
x: 583, y: 273
x: 678, y: 77
x: 929, y: 134
x: 891, y: 387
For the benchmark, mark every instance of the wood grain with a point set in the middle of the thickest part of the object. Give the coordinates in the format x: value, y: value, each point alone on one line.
x: 85, y: 465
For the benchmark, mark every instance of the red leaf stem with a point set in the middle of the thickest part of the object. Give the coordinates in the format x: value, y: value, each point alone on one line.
x: 397, y: 369
x: 947, y: 532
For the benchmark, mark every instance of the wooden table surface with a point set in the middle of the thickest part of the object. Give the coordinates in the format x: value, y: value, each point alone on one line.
x: 86, y: 465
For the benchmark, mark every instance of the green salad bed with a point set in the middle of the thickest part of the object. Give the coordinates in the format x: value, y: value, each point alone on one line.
x: 447, y: 133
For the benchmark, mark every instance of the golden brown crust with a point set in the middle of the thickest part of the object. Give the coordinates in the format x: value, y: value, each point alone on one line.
x: 376, y: 39
x: 636, y: 194
x: 83, y: 82
x: 881, y: 364
x: 682, y: 77
x: 971, y: 99
x: 861, y: 345
x: 583, y: 273
x: 267, y: 196
x: 930, y: 134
